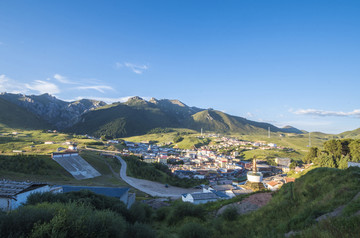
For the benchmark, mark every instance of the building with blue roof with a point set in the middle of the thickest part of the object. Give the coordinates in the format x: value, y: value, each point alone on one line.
x: 120, y: 193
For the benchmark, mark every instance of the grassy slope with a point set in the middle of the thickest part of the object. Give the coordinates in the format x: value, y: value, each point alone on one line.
x: 55, y: 174
x: 13, y: 116
x: 296, y: 206
x: 32, y: 141
x: 354, y: 134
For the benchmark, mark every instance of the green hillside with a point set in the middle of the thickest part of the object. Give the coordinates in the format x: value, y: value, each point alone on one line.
x: 119, y: 120
x: 297, y: 205
x: 13, y: 116
x: 212, y: 120
x: 137, y: 117
x: 354, y: 134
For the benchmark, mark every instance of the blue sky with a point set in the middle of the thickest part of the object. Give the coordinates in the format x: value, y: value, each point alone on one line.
x: 283, y: 62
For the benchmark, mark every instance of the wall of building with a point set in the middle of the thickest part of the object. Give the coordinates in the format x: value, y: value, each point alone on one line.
x: 22, y: 197
x: 4, y: 203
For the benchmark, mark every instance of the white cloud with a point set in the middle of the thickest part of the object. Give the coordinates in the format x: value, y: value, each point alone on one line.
x: 138, y: 69
x: 63, y: 79
x: 323, y: 113
x: 11, y: 86
x: 43, y: 87
x: 99, y: 88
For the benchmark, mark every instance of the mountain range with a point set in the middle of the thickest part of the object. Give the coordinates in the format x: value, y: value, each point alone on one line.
x: 133, y: 117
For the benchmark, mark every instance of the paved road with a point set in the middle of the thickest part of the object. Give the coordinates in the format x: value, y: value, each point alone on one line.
x: 154, y: 189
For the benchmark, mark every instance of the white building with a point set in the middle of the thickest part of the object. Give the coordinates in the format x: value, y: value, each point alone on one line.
x: 198, y: 198
x: 13, y: 194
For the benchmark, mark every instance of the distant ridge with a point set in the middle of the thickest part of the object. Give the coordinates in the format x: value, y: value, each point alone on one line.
x: 136, y: 116
x: 60, y: 114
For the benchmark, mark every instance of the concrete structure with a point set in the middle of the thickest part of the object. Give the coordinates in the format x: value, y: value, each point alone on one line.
x: 283, y: 161
x: 75, y: 165
x: 254, y: 177
x: 120, y: 193
x: 13, y: 194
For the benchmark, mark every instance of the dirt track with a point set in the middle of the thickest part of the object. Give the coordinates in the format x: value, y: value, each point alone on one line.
x: 152, y: 188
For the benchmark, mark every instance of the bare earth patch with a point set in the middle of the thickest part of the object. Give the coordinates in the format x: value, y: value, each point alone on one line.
x: 249, y: 204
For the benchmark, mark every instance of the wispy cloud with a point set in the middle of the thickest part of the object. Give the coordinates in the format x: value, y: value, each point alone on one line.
x: 63, y: 79
x: 138, y: 69
x: 107, y: 100
x: 89, y: 85
x: 11, y: 86
x: 43, y: 87
x: 99, y: 88
x: 323, y: 113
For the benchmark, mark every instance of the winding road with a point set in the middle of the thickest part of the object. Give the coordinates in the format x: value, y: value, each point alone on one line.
x: 154, y: 189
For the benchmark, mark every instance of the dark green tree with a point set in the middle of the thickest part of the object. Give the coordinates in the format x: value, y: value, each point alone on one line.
x: 334, y: 147
x: 311, y: 155
x: 354, y: 147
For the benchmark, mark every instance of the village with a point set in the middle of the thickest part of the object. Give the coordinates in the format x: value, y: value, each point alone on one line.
x: 219, y: 165
x: 226, y: 174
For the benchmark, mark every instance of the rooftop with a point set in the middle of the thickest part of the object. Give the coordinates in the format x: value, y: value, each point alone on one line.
x: 12, y: 188
x: 107, y: 191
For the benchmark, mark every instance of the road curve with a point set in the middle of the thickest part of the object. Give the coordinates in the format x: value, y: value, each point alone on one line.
x: 152, y: 188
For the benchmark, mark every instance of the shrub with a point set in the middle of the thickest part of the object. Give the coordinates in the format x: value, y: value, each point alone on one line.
x: 185, y: 209
x: 140, y: 230
x: 193, y: 230
x: 230, y: 214
x: 140, y: 212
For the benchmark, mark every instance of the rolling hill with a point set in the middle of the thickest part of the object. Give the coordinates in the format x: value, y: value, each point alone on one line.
x: 212, y: 120
x: 354, y: 134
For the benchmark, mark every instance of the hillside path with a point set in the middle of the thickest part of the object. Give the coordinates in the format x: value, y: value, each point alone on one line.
x: 152, y: 188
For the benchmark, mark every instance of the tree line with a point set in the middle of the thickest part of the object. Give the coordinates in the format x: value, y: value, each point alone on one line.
x: 336, y: 153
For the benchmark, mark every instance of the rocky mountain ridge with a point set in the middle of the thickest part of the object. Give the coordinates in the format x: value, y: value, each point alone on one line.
x: 59, y: 113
